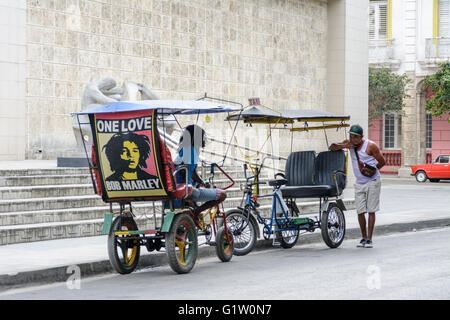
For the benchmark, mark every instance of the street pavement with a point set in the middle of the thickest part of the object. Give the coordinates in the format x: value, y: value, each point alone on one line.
x: 406, y: 205
x: 412, y: 265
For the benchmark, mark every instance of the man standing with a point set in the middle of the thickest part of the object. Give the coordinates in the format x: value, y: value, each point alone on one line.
x: 367, y: 160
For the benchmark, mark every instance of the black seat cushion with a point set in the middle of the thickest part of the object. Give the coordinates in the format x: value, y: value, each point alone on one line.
x: 308, y: 191
x: 310, y: 177
x: 300, y: 168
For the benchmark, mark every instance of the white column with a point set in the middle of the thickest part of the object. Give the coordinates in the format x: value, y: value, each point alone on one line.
x: 348, y: 54
x: 12, y: 79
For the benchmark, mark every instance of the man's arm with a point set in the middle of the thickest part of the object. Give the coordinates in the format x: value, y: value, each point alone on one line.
x: 374, y: 151
x: 341, y: 145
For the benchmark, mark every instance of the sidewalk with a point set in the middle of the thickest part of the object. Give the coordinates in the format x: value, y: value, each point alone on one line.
x: 48, y: 261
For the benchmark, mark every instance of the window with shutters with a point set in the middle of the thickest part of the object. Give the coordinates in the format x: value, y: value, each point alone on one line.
x: 392, y: 131
x: 444, y: 18
x: 378, y: 23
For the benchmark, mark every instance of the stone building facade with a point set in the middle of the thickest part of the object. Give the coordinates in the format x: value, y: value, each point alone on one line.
x: 277, y: 50
x: 413, y: 37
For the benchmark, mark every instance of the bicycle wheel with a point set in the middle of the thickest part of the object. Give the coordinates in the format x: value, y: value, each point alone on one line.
x: 243, y: 230
x: 182, y: 243
x: 123, y: 252
x: 332, y: 226
x: 224, y: 245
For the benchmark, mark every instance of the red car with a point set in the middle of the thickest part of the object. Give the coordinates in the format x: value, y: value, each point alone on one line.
x: 439, y: 169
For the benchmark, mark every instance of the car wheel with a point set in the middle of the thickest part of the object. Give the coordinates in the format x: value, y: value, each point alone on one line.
x: 421, y: 176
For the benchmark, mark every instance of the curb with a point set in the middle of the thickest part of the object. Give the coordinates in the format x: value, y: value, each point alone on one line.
x: 62, y: 273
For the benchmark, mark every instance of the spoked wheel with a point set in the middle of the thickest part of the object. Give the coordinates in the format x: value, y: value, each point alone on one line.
x: 182, y: 243
x: 224, y: 245
x: 243, y: 230
x: 333, y: 226
x: 123, y: 252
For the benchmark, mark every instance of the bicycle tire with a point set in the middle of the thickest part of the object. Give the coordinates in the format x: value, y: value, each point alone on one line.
x: 244, y: 236
x: 182, y: 232
x: 120, y: 260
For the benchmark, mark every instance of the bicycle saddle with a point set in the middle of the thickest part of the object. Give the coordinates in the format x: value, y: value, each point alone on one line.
x: 277, y: 182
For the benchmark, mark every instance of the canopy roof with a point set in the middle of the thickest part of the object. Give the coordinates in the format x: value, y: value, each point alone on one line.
x: 164, y: 107
x: 259, y: 114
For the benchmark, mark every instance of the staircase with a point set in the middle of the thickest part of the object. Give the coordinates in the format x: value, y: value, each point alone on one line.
x: 58, y: 203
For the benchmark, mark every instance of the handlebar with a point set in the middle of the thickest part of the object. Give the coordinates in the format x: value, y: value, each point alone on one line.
x: 213, y: 165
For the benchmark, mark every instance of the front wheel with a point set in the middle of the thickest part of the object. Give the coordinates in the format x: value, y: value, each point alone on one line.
x: 123, y: 252
x: 243, y: 229
x: 224, y: 245
x: 421, y: 176
x: 182, y: 243
x: 333, y: 226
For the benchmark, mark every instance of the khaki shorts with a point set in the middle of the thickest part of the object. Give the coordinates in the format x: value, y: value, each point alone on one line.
x: 367, y: 196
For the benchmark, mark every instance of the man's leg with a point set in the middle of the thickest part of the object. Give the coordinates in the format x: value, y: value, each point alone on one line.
x: 371, y: 225
x: 362, y: 224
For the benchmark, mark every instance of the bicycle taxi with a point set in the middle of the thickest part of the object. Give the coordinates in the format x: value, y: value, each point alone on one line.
x: 307, y: 175
x: 131, y: 135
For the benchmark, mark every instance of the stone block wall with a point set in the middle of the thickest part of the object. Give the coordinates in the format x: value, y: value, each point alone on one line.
x: 274, y: 50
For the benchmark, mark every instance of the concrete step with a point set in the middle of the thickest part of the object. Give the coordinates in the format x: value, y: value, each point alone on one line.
x: 42, y: 180
x: 57, y: 230
x: 50, y: 203
x: 41, y: 172
x: 10, y: 193
x: 70, y: 214
x: 65, y: 179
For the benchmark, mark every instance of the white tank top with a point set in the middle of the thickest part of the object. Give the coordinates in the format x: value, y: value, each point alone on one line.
x: 364, y: 157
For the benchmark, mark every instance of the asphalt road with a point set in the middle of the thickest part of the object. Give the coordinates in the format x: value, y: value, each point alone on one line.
x: 414, y: 265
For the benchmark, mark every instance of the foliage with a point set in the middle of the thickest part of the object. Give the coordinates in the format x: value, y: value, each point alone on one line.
x: 386, y: 92
x: 439, y: 83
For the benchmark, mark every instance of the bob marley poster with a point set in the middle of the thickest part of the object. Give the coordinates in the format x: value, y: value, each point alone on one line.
x: 128, y: 155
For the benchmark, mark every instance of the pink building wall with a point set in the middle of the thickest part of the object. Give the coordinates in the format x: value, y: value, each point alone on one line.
x: 440, y: 136
x: 376, y: 132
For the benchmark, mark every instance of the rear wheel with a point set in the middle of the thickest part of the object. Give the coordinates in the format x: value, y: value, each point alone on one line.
x: 421, y: 176
x: 224, y: 245
x: 123, y: 252
x: 182, y: 244
x: 332, y: 226
x: 243, y: 230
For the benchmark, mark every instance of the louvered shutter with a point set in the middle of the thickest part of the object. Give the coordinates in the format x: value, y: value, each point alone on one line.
x: 371, y: 22
x: 378, y: 20
x: 444, y: 18
x: 382, y: 18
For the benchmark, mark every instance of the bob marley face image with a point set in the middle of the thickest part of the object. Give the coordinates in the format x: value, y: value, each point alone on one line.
x: 127, y: 154
x: 130, y: 152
